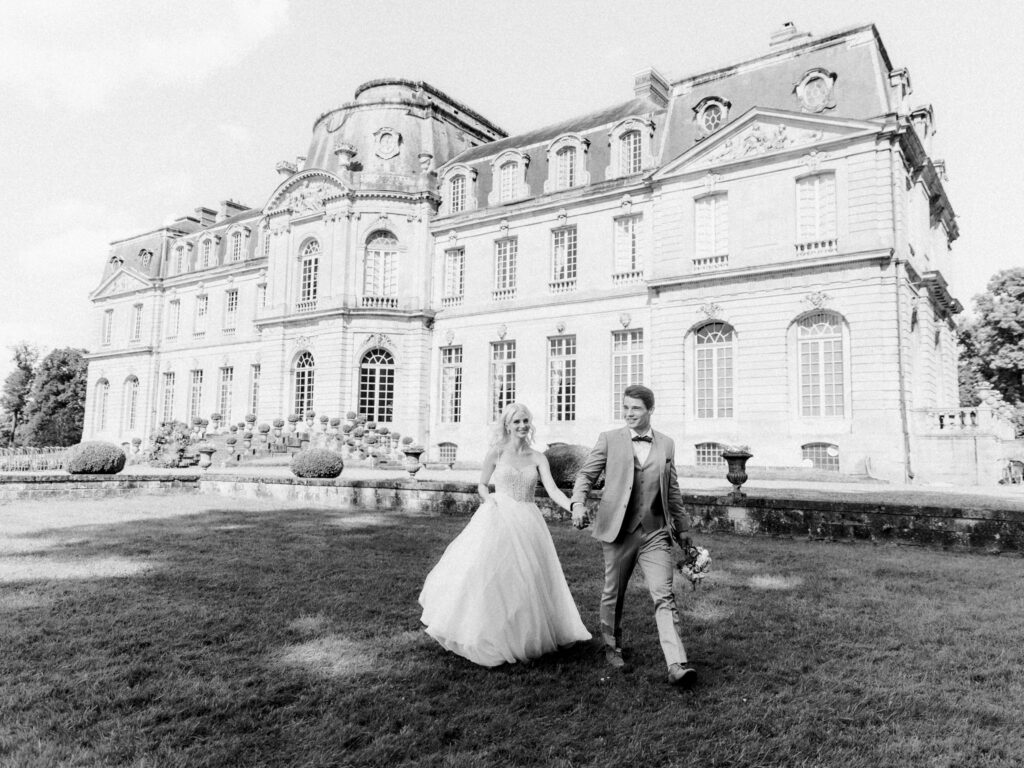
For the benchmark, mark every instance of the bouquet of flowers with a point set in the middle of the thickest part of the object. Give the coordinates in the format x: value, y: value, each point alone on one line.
x: 695, y: 564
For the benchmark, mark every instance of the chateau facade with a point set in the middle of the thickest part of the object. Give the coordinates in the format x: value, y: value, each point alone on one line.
x: 762, y: 244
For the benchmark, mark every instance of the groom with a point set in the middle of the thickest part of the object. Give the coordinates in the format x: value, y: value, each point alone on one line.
x: 640, y: 513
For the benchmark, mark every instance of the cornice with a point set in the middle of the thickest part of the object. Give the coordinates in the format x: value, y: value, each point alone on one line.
x: 638, y: 290
x: 792, y: 266
x: 122, y: 352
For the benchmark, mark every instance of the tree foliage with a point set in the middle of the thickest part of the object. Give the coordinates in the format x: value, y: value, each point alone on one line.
x: 14, y: 398
x: 992, y: 346
x: 56, y: 407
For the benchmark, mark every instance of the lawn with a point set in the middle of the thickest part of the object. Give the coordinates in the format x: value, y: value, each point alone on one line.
x: 200, y: 631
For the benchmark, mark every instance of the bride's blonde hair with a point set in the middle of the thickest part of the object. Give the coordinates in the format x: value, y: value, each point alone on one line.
x: 503, y: 426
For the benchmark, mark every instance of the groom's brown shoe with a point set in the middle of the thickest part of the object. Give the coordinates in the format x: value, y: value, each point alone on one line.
x: 614, y: 657
x: 682, y: 676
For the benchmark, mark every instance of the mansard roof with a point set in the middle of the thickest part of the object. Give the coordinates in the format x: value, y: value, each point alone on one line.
x: 588, y: 122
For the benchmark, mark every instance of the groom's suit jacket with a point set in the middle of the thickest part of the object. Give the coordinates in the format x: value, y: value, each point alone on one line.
x: 614, y: 454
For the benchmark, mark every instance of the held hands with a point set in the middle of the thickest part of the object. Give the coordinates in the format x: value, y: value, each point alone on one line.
x: 580, y: 519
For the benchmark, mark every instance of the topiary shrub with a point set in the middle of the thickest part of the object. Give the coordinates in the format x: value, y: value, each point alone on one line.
x: 95, y: 458
x: 565, y: 461
x: 317, y: 462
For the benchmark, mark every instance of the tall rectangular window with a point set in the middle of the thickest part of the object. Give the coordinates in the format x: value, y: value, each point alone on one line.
x: 179, y: 260
x: 308, y: 280
x: 505, y: 252
x: 195, y: 396
x: 266, y: 245
x: 451, y: 385
x: 108, y: 326
x: 226, y: 388
x: 627, y: 364
x: 230, y: 309
x: 458, y: 194
x: 199, y: 326
x: 816, y: 208
x: 714, y: 371
x: 563, y: 259
x: 712, y: 227
x: 562, y: 378
x: 136, y: 327
x: 206, y: 251
x: 254, y: 388
x: 566, y: 167
x: 168, y: 413
x: 821, y: 365
x: 261, y: 296
x: 236, y: 246
x: 630, y: 159
x: 381, y: 275
x: 173, y: 318
x: 627, y: 245
x: 454, y: 275
x: 503, y: 376
x: 507, y: 174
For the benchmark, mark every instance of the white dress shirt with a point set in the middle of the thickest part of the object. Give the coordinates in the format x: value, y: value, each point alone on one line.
x: 642, y: 449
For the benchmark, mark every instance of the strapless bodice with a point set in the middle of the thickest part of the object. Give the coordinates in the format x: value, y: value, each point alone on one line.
x: 520, y: 484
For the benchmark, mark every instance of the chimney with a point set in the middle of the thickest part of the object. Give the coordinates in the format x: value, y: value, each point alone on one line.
x: 206, y: 216
x: 229, y: 208
x: 787, y: 33
x: 649, y: 83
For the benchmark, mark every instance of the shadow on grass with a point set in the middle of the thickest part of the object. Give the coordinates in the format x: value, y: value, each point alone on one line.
x: 257, y: 636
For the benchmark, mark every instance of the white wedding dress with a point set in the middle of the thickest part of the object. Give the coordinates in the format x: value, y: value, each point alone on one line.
x: 498, y: 593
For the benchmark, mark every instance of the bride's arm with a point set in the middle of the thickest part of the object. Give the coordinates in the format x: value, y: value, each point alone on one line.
x: 483, y: 488
x: 549, y: 482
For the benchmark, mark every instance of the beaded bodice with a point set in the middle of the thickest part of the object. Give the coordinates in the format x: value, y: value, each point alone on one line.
x: 520, y: 484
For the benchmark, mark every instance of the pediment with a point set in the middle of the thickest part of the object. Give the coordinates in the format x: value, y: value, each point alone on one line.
x: 764, y: 133
x: 121, y: 281
x: 306, y: 192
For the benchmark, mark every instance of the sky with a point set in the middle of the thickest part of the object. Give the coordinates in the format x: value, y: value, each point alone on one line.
x: 119, y: 116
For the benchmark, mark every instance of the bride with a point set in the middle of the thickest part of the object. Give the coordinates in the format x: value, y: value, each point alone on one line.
x: 498, y: 593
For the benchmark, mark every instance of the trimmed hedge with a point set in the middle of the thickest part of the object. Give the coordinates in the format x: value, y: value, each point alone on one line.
x: 95, y: 458
x: 565, y: 461
x: 317, y: 462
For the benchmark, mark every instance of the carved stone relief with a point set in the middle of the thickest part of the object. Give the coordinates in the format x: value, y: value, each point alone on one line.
x: 759, y: 139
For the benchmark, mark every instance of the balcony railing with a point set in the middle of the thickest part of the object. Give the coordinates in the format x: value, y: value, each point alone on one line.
x: 199, y: 333
x: 380, y: 302
x: 628, y: 278
x: 306, y: 305
x: 451, y: 301
x: 824, y: 247
x: 711, y: 263
x: 562, y: 286
x: 503, y: 294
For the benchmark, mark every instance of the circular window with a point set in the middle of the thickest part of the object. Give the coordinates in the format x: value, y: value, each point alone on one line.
x: 814, y: 95
x: 712, y: 116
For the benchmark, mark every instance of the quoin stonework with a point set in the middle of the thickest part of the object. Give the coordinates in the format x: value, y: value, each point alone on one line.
x: 763, y: 244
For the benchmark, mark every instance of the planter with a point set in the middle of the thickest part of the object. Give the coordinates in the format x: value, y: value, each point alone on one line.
x: 737, y: 474
x: 205, y: 455
x: 412, y: 459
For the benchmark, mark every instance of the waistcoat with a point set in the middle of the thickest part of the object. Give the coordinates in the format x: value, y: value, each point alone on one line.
x: 644, y: 508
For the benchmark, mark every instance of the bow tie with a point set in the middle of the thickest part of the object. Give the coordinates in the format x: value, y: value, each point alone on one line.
x: 642, y: 439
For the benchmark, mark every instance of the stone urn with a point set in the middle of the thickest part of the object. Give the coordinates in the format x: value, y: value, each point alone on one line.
x: 205, y: 451
x: 412, y: 459
x: 736, y: 458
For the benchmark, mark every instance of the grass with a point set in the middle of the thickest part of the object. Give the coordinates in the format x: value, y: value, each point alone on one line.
x: 164, y: 631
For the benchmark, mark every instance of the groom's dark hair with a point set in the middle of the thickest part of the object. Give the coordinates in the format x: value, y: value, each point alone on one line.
x: 640, y: 392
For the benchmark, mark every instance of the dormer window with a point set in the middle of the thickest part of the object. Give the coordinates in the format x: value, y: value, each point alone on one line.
x: 567, y: 163
x: 710, y: 114
x: 179, y: 260
x: 458, y: 186
x: 205, y: 251
x: 816, y: 90
x: 236, y: 246
x: 631, y: 147
x: 508, y: 171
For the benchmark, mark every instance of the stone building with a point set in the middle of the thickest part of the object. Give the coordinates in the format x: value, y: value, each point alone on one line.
x: 763, y: 244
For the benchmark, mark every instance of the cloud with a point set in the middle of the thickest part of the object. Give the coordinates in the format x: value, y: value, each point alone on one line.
x: 79, y: 54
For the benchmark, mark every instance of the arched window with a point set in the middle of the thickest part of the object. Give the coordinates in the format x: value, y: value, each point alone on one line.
x: 820, y: 353
x: 821, y: 455
x: 380, y: 274
x: 305, y: 368
x: 457, y: 194
x: 100, y: 413
x: 130, y: 401
x: 236, y: 246
x: 630, y: 158
x: 206, y: 251
x: 309, y: 276
x: 714, y: 363
x: 709, y: 455
x: 179, y: 260
x: 507, y: 178
x: 377, y: 386
x: 565, y: 158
